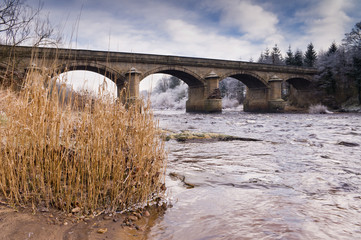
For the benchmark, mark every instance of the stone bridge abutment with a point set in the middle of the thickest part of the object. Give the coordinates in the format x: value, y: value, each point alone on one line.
x: 263, y: 81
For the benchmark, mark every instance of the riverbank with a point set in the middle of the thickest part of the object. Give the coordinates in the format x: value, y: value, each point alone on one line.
x: 23, y: 223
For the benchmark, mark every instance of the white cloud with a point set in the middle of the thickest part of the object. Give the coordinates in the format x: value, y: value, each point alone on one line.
x: 250, y: 19
x: 197, y: 41
x: 325, y: 22
x: 173, y: 36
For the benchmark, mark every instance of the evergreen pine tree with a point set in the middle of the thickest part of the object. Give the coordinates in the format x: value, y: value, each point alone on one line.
x: 276, y: 56
x: 332, y: 49
x: 310, y: 56
x: 267, y: 57
x: 290, y: 59
x: 298, y: 60
x: 261, y: 58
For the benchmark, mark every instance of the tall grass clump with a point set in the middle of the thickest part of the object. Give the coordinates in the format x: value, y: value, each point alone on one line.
x: 102, y: 157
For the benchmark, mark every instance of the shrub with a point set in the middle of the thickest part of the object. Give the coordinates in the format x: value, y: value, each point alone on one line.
x: 318, y: 108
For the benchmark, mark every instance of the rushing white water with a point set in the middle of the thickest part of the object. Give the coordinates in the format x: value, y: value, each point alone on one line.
x: 302, y: 181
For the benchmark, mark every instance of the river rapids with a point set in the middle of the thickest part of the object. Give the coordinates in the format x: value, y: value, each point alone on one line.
x: 301, y: 181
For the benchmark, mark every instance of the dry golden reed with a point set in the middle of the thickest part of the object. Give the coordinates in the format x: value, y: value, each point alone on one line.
x: 104, y: 157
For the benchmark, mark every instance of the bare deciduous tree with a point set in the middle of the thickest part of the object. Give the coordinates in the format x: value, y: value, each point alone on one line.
x: 22, y: 24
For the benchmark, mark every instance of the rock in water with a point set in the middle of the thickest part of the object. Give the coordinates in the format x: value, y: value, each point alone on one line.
x: 348, y: 144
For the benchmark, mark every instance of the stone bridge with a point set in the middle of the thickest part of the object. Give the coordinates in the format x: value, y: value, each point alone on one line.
x: 202, y: 75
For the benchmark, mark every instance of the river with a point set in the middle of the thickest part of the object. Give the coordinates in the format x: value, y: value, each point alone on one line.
x: 302, y: 181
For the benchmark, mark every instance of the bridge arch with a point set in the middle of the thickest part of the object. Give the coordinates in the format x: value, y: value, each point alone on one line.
x: 190, y: 78
x: 299, y: 83
x: 250, y: 79
x: 110, y: 73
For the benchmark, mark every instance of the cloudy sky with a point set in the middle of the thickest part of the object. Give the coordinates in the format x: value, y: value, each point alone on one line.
x: 226, y: 29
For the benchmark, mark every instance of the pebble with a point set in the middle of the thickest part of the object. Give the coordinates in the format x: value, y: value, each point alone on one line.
x: 133, y: 218
x: 146, y: 213
x: 44, y: 209
x: 102, y: 230
x: 76, y: 210
x: 107, y: 217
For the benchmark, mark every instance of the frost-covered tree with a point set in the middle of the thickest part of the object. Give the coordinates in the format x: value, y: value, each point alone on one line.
x: 352, y: 41
x: 340, y: 69
x: 162, y: 85
x: 310, y: 56
x: 327, y: 73
x: 166, y: 83
x: 334, y: 67
x: 232, y: 89
x: 169, y: 93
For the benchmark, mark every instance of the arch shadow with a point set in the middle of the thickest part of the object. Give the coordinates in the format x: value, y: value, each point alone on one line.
x: 190, y: 78
x: 110, y: 73
x: 249, y: 79
x: 299, y: 83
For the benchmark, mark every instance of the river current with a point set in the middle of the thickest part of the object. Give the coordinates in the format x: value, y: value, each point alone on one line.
x: 301, y: 181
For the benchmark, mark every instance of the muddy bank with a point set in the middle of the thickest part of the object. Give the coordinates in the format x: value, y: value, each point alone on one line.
x: 24, y: 224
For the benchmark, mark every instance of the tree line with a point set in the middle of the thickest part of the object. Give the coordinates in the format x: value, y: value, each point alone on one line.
x: 292, y: 58
x: 339, y: 68
x: 339, y: 76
